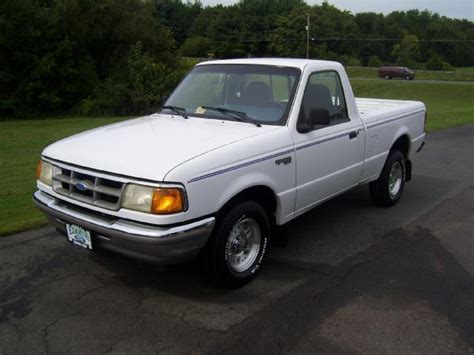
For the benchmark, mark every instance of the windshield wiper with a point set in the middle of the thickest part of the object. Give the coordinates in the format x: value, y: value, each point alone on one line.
x: 179, y: 110
x: 236, y: 115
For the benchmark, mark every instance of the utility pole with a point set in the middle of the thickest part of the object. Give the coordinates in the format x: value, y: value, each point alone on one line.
x: 307, y: 36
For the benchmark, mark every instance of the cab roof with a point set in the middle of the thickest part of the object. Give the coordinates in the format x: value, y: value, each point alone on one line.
x: 281, y: 62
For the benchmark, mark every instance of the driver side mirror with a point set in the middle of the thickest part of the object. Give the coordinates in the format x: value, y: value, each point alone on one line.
x: 319, y: 117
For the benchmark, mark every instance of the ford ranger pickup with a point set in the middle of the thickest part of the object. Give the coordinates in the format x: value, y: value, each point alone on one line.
x: 239, y: 148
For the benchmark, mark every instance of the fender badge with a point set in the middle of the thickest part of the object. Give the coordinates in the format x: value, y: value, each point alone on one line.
x: 284, y: 161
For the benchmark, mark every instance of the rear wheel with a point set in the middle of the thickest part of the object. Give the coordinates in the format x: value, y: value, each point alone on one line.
x: 388, y: 188
x: 387, y: 77
x: 236, y: 249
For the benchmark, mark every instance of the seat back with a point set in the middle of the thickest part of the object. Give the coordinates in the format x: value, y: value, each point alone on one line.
x: 317, y: 97
x: 257, y: 93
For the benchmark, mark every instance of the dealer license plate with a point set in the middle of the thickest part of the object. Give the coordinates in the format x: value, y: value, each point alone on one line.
x: 79, y: 236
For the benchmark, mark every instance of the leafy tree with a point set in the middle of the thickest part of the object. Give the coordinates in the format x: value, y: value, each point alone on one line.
x: 54, y: 54
x: 45, y: 68
x: 224, y: 30
x: 121, y: 55
x: 326, y: 22
x: 288, y: 39
x: 198, y: 46
x: 372, y: 28
x: 178, y: 16
x: 407, y: 51
x: 258, y: 20
x: 137, y: 87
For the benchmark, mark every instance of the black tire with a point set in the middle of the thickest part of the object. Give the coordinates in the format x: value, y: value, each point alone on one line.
x: 387, y: 77
x: 408, y: 77
x: 215, y: 256
x: 381, y: 189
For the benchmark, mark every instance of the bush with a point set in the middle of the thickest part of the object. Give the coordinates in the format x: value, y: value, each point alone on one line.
x: 374, y: 61
x: 436, y: 63
x: 349, y: 61
x: 86, y: 107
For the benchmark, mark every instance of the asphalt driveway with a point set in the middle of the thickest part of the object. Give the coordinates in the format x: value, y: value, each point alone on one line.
x: 354, y: 278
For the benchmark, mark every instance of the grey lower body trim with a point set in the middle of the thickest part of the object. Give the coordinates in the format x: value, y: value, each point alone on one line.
x: 164, y: 246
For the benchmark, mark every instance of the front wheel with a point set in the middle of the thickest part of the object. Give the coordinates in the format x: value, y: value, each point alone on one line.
x: 236, y: 249
x: 388, y: 188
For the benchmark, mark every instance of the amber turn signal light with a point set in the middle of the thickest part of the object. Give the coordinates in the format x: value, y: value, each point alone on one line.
x: 38, y: 169
x: 167, y: 201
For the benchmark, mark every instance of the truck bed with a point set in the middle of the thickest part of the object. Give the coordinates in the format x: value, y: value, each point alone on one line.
x: 375, y: 110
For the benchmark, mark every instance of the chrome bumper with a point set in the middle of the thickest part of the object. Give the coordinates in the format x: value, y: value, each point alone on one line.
x: 141, y: 241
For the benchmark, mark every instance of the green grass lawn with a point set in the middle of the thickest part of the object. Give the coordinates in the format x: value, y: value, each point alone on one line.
x: 465, y: 70
x: 449, y: 103
x: 21, y: 143
x: 459, y: 74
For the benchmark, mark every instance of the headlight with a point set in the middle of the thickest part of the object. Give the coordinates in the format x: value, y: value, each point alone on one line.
x: 44, y: 172
x: 153, y: 200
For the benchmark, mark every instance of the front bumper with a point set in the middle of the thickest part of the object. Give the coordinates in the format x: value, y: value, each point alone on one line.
x: 162, y: 245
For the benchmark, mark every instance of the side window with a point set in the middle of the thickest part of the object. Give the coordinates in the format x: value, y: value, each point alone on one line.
x: 323, y: 103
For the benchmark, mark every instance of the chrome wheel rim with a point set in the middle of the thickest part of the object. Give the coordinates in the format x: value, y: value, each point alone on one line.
x: 395, y: 179
x: 243, y: 244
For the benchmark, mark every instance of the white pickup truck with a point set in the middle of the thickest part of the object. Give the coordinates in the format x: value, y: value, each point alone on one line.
x: 240, y: 147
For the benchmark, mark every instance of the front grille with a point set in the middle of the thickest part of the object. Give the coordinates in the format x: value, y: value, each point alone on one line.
x: 88, y: 188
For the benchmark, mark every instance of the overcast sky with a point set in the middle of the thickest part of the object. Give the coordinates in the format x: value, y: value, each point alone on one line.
x: 450, y: 8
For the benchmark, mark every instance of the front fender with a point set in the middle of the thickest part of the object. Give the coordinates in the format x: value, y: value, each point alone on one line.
x: 244, y: 182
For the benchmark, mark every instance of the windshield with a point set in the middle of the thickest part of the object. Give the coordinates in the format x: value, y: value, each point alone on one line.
x: 259, y: 93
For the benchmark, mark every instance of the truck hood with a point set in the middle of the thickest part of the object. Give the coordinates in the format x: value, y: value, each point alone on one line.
x: 149, y: 147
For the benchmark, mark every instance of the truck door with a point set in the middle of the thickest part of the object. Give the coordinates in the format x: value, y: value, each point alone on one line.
x: 329, y: 144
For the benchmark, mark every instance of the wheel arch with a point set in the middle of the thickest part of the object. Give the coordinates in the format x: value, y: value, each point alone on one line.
x: 262, y: 194
x: 403, y: 145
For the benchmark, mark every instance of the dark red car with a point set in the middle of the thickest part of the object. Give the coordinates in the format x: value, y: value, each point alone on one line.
x: 396, y: 72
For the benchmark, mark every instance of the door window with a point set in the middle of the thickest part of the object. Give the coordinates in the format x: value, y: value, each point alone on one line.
x: 323, y: 103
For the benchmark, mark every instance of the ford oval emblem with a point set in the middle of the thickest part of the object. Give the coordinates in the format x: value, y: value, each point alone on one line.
x: 81, y: 186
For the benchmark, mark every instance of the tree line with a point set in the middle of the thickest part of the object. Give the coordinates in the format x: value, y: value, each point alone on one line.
x: 123, y: 56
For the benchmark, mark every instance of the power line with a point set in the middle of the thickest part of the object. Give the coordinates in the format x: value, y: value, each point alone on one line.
x: 388, y: 39
x: 342, y: 39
